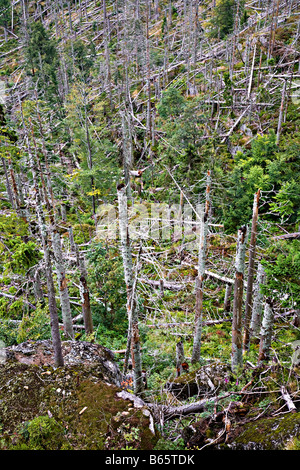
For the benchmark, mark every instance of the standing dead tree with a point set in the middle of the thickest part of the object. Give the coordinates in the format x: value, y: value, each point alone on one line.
x: 237, y: 339
x: 257, y: 301
x: 62, y: 283
x: 201, y: 272
x: 180, y: 358
x: 83, y: 286
x: 266, y: 332
x: 132, y: 311
x: 54, y: 323
x: 252, y: 251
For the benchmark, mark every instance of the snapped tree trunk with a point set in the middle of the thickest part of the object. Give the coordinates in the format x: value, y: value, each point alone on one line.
x: 252, y: 251
x: 237, y: 339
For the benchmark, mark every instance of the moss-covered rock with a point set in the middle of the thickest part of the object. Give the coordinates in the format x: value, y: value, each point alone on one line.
x: 70, y: 407
x: 266, y: 434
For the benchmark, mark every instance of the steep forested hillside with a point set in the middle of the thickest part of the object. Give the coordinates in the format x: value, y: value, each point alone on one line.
x: 150, y: 200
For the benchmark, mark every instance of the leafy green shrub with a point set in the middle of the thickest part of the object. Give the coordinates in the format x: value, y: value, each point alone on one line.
x: 35, y: 326
x: 282, y: 267
x: 42, y: 433
x: 106, y: 278
x: 8, y: 332
x: 167, y: 444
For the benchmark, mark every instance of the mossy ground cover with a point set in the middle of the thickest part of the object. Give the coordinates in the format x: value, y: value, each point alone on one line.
x: 70, y: 404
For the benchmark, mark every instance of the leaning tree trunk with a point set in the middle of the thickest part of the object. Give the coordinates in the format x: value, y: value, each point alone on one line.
x: 132, y: 312
x: 237, y: 340
x: 252, y: 251
x: 266, y: 332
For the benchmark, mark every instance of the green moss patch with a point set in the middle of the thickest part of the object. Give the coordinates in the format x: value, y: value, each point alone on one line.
x: 267, y: 434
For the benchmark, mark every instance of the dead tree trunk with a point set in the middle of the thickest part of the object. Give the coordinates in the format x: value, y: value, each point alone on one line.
x: 201, y: 273
x: 133, y: 327
x: 62, y: 284
x: 237, y: 340
x: 107, y: 55
x: 127, y: 153
x: 257, y: 302
x: 148, y: 120
x: 37, y: 287
x: 227, y: 300
x: 180, y: 358
x: 252, y: 251
x: 83, y: 287
x: 266, y: 332
x: 54, y: 324
x: 281, y: 113
x: 7, y: 184
x: 85, y: 298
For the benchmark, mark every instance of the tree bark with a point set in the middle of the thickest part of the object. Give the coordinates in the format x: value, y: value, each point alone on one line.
x: 127, y: 153
x: 54, y: 324
x: 62, y: 285
x: 237, y: 340
x: 180, y: 358
x: 201, y: 273
x: 37, y: 287
x: 7, y: 184
x: 281, y: 113
x: 257, y: 302
x: 85, y: 298
x: 266, y: 332
x: 227, y: 300
x: 132, y: 313
x: 252, y: 251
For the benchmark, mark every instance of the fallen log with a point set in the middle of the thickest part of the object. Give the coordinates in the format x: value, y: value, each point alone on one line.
x: 188, y: 323
x: 170, y: 412
x: 167, y: 285
x: 286, y: 236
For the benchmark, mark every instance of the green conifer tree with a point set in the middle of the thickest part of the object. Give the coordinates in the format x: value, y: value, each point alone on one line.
x: 42, y: 61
